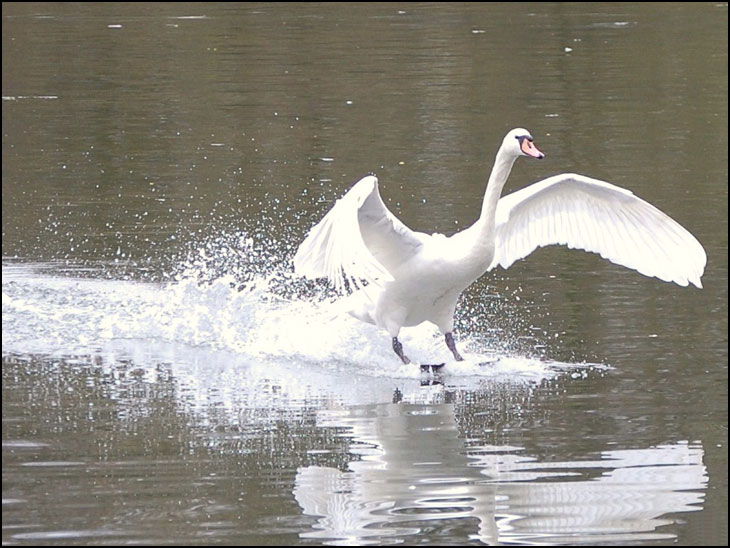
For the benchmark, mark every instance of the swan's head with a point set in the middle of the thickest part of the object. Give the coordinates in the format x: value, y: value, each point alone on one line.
x: 518, y: 142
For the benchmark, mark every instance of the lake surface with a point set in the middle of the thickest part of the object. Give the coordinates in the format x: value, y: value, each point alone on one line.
x: 168, y: 380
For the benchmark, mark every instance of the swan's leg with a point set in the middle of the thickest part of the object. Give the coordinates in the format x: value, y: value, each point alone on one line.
x: 452, y: 346
x: 398, y: 348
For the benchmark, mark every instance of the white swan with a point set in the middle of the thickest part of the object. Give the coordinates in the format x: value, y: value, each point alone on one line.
x: 411, y: 277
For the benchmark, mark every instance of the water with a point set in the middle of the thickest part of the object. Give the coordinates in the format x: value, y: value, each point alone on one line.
x: 167, y: 379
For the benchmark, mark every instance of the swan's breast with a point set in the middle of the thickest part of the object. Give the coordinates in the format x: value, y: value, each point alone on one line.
x: 431, y: 281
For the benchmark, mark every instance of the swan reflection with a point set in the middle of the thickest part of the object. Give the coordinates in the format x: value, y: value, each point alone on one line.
x: 411, y: 467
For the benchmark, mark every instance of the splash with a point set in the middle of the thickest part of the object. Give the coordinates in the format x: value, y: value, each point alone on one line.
x: 233, y: 294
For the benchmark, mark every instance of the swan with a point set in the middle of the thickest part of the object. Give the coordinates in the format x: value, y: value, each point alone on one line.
x: 402, y: 278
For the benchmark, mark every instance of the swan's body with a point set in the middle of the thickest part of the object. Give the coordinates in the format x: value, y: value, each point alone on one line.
x: 412, y: 277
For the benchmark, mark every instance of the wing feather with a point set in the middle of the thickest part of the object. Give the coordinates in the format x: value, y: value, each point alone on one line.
x: 359, y: 239
x: 596, y: 216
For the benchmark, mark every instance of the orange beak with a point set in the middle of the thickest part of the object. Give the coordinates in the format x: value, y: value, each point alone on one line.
x: 529, y: 148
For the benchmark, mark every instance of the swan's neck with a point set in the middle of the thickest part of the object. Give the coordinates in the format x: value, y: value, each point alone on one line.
x: 478, y: 239
x: 500, y: 172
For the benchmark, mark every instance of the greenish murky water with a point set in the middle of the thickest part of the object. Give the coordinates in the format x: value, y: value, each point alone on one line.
x: 168, y: 380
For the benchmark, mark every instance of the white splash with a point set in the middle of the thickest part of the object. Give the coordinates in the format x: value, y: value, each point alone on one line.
x: 234, y: 297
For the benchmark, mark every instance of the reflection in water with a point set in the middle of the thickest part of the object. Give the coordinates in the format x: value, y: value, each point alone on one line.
x: 411, y: 467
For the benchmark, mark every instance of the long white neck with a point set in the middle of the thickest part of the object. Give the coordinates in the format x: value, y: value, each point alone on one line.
x: 500, y: 172
x: 477, y: 241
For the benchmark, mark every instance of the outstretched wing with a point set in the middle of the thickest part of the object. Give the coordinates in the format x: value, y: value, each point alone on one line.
x: 585, y: 213
x: 358, y: 239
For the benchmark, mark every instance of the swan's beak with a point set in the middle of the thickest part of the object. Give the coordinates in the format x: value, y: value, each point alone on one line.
x: 529, y: 149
